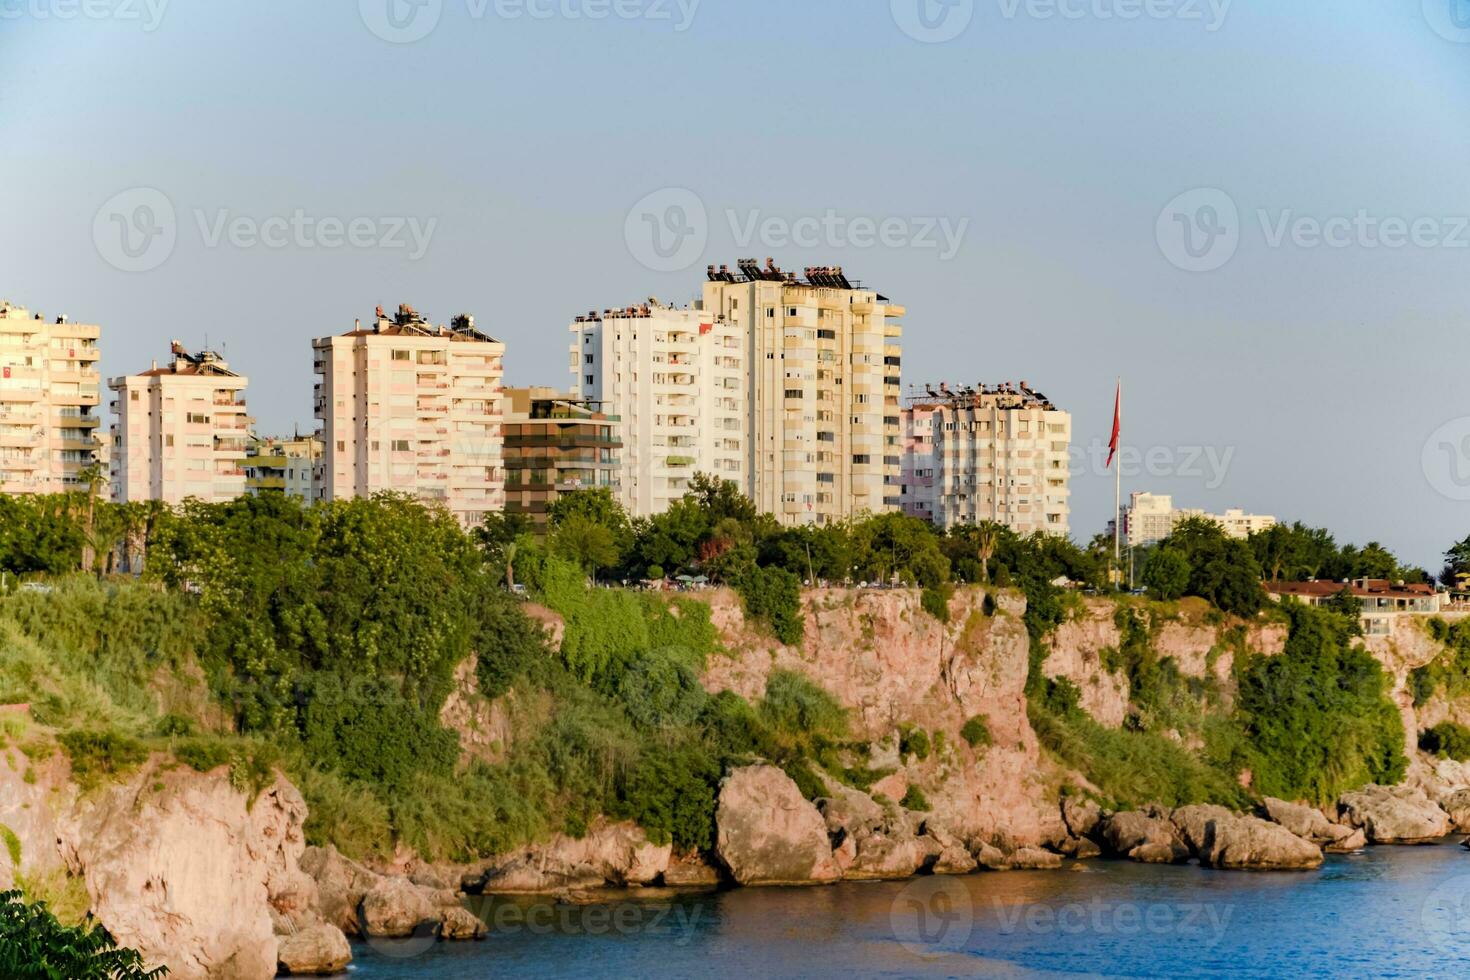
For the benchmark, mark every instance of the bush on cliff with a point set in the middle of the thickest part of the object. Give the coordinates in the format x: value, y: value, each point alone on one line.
x: 1447, y: 740
x: 773, y: 596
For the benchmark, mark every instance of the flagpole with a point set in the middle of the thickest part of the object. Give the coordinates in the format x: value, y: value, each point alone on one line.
x: 1118, y: 492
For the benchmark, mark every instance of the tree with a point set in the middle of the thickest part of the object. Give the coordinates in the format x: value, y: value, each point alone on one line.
x: 721, y: 499
x: 499, y: 538
x: 591, y: 545
x: 35, y: 946
x: 1166, y: 573
x: 1457, y: 563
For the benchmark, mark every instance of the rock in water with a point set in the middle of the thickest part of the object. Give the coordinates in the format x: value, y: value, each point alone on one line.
x: 342, y: 884
x: 1310, y: 824
x: 1457, y: 805
x: 769, y: 834
x: 1143, y: 837
x: 460, y: 924
x: 1397, y: 815
x: 319, y: 951
x: 395, y: 908
x: 1221, y: 839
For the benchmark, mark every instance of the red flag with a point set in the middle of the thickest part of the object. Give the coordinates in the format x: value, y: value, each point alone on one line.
x: 1117, y: 425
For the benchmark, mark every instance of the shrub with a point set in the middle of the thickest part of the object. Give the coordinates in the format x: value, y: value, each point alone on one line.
x: 773, y: 596
x: 976, y: 732
x: 915, y: 799
x: 98, y: 755
x: 935, y: 600
x: 801, y: 714
x: 913, y: 741
x: 35, y: 946
x: 671, y: 795
x: 1447, y: 740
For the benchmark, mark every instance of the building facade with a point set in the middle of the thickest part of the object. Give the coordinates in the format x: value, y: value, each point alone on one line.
x: 50, y: 402
x: 916, y: 471
x: 181, y: 430
x: 997, y: 454
x: 555, y: 443
x: 1149, y: 518
x: 278, y: 465
x: 407, y: 406
x: 822, y: 421
x: 676, y: 380
x: 1383, y: 601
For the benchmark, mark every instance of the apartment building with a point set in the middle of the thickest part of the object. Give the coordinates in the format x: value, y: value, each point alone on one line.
x: 916, y: 469
x: 999, y: 454
x: 676, y: 378
x: 407, y: 406
x: 556, y: 443
x: 1384, y: 603
x: 49, y: 401
x: 280, y: 465
x: 181, y: 430
x: 1149, y: 518
x: 822, y: 420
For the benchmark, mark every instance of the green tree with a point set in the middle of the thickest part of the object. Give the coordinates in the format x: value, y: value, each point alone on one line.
x: 35, y: 946
x: 592, y: 546
x: 1166, y: 573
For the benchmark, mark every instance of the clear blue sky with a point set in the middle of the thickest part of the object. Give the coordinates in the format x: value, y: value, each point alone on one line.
x: 1319, y: 372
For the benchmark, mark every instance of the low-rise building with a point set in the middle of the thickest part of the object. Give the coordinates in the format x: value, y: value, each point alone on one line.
x: 998, y: 454
x: 282, y: 465
x: 1382, y: 600
x: 181, y: 430
x: 49, y: 402
x: 556, y: 443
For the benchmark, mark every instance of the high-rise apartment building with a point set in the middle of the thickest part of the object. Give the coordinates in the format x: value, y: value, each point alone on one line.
x: 408, y: 406
x: 49, y: 398
x: 1149, y: 518
x: 677, y: 380
x: 998, y: 454
x: 181, y: 430
x: 916, y: 473
x: 279, y: 465
x: 555, y: 443
x: 822, y: 420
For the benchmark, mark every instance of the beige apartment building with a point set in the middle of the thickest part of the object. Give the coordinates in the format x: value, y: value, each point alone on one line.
x: 288, y: 466
x: 676, y: 380
x: 822, y: 419
x: 1149, y: 518
x: 411, y: 407
x: 181, y: 430
x: 998, y: 454
x: 49, y: 401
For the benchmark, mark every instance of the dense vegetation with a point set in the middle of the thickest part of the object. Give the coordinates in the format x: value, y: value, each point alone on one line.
x: 35, y: 946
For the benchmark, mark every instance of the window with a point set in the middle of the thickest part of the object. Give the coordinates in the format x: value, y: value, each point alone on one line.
x: 861, y: 460
x: 590, y: 379
x: 341, y: 446
x: 168, y: 440
x: 791, y: 311
x: 400, y: 445
x: 590, y: 358
x: 400, y: 355
x: 793, y: 392
x: 132, y: 396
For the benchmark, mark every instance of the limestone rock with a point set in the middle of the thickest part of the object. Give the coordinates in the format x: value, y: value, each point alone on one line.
x: 955, y: 859
x: 1081, y: 816
x: 768, y: 833
x: 883, y: 857
x: 395, y: 908
x: 1309, y: 823
x: 341, y: 884
x: 618, y: 854
x: 1457, y: 806
x: 318, y: 951
x: 1397, y: 815
x: 1195, y: 824
x: 460, y: 924
x: 1143, y: 837
x: 1221, y: 839
x: 691, y: 871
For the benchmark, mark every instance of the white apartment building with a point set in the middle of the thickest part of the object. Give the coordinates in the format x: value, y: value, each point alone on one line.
x: 49, y: 401
x: 279, y: 465
x: 677, y: 380
x: 1149, y: 518
x: 999, y: 454
x: 822, y: 422
x: 181, y: 430
x: 407, y: 406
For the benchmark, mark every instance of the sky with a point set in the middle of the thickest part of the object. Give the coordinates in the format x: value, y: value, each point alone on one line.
x: 1253, y: 212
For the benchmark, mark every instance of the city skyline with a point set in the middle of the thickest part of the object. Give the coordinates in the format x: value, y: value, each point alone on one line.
x: 1012, y: 260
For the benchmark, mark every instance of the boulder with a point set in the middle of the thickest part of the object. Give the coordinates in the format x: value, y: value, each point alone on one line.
x: 618, y: 854
x: 341, y: 885
x: 460, y: 924
x: 768, y: 833
x: 1082, y: 817
x: 994, y: 858
x: 691, y: 871
x: 1224, y: 840
x: 1143, y: 837
x: 395, y: 908
x: 318, y: 951
x: 1309, y: 824
x: 1394, y: 815
x: 1457, y: 806
x: 851, y: 811
x: 1195, y: 825
x: 955, y: 859
x: 883, y: 857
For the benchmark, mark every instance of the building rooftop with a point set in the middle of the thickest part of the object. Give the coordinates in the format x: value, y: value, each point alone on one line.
x: 408, y: 322
x: 1362, y: 588
x: 1005, y: 395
